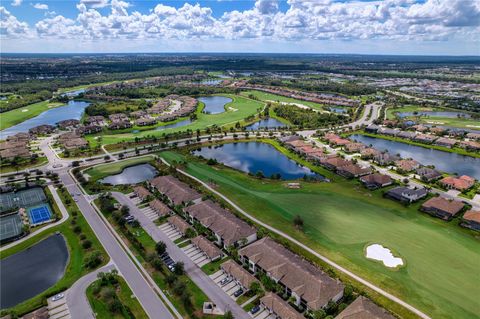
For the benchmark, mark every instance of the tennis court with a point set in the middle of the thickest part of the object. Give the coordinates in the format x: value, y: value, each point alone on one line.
x: 23, y: 198
x: 10, y: 226
x: 39, y: 214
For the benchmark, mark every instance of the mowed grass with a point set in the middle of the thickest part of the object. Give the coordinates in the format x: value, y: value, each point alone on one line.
x: 126, y: 297
x: 241, y: 108
x: 441, y: 275
x: 263, y: 96
x: 13, y: 117
x: 100, y: 171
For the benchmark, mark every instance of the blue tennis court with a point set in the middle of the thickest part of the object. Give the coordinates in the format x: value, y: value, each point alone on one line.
x: 39, y: 214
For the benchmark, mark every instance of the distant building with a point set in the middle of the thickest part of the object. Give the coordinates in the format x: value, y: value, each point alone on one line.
x: 406, y: 195
x: 376, y: 180
x: 442, y: 208
x: 427, y: 174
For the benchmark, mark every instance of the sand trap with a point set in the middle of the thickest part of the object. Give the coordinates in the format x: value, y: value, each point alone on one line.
x: 378, y: 252
x: 25, y: 110
x: 476, y: 126
x: 433, y: 122
x: 232, y: 109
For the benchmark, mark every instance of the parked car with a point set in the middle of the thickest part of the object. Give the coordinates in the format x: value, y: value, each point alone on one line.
x: 57, y: 297
x: 225, y: 281
x: 238, y: 293
x: 255, y: 309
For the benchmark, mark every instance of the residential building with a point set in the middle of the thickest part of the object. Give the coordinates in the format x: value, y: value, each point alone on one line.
x: 389, y: 131
x: 364, y: 308
x: 12, y: 153
x: 372, y: 128
x: 427, y: 174
x: 120, y: 125
x: 446, y: 142
x: 442, y: 208
x: 424, y: 138
x: 141, y: 192
x: 160, y: 208
x: 238, y: 274
x: 385, y: 158
x: 96, y: 120
x: 334, y: 163
x: 406, y: 165
x: 178, y: 223
x: 470, y: 145
x: 369, y: 153
x: 473, y: 136
x: 406, y: 195
x: 71, y: 123
x: 75, y: 143
x: 41, y: 129
x: 471, y: 219
x: 228, y: 229
x: 144, y: 121
x: 461, y: 183
x: 211, y: 251
x: 354, y: 147
x: 178, y: 192
x: 278, y: 308
x: 353, y: 170
x: 309, y: 286
x: 376, y: 180
x: 19, y: 137
x: 89, y: 129
x: 407, y: 135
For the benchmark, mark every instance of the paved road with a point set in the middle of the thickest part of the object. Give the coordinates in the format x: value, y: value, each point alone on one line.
x: 76, y: 297
x: 144, y: 291
x: 313, y: 252
x: 205, y: 283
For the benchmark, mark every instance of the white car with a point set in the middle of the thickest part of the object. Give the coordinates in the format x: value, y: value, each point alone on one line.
x: 57, y: 297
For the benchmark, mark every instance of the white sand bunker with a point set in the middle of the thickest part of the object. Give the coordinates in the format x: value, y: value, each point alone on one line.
x: 25, y: 110
x: 378, y: 252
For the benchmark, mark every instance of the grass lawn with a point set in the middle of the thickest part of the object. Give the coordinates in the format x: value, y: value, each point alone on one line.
x: 263, y: 96
x: 75, y: 268
x: 124, y: 295
x: 341, y: 218
x: 10, y: 168
x: 455, y: 122
x: 100, y: 171
x: 241, y: 108
x: 213, y: 267
x: 16, y: 116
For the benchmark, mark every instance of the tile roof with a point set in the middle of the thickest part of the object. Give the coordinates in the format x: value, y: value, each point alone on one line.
x: 363, y: 308
x: 159, y: 207
x: 178, y: 222
x: 141, y: 192
x: 280, y: 307
x: 303, y: 278
x: 176, y: 190
x: 451, y: 207
x: 207, y: 247
x: 239, y: 273
x: 472, y: 215
x: 221, y: 221
x: 461, y: 183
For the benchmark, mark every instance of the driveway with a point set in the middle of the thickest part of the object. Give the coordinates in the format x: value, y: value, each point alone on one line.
x: 206, y: 284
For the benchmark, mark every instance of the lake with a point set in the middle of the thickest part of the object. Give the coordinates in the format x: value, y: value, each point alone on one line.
x: 173, y: 125
x: 72, y: 110
x: 268, y: 123
x: 131, y: 175
x: 443, y: 161
x: 435, y: 114
x: 211, y: 82
x: 251, y: 157
x: 73, y: 93
x: 214, y: 104
x: 32, y: 271
x: 338, y: 110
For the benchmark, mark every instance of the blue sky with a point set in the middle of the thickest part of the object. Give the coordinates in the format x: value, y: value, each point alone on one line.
x: 313, y: 26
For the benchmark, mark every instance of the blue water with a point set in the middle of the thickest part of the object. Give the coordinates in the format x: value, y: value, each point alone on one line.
x: 339, y: 110
x: 211, y: 82
x: 73, y: 110
x: 214, y: 104
x: 73, y: 93
x: 32, y: 271
x: 443, y: 161
x: 131, y: 175
x: 251, y: 157
x: 268, y: 123
x: 435, y: 114
x: 173, y: 125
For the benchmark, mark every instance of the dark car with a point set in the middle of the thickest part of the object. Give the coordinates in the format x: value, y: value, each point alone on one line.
x: 238, y: 293
x: 255, y: 309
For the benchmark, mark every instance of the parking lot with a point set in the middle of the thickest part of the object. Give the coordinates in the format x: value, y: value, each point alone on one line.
x: 228, y: 284
x: 57, y: 307
x: 196, y: 255
x: 170, y: 231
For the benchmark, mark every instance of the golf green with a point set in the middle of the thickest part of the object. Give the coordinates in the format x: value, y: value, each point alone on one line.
x: 341, y: 218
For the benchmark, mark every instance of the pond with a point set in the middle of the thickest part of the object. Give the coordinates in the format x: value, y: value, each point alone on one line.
x: 73, y: 93
x: 446, y: 114
x: 214, y: 104
x: 267, y: 123
x: 443, y: 161
x: 32, y: 271
x: 131, y: 175
x: 173, y: 125
x: 338, y: 110
x: 252, y: 157
x: 380, y: 253
x: 73, y: 110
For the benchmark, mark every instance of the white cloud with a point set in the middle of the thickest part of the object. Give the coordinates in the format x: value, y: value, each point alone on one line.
x: 438, y: 20
x: 10, y: 26
x: 16, y: 3
x: 40, y: 6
